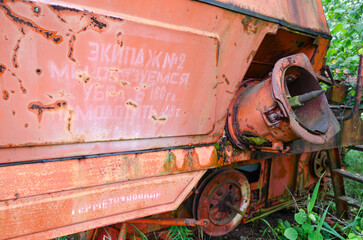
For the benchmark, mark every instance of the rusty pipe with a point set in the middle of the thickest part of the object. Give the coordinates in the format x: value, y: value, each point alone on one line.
x: 172, y: 221
x: 358, y: 92
x: 236, y: 209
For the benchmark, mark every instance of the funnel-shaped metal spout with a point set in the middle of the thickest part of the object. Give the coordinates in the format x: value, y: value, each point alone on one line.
x: 299, y: 100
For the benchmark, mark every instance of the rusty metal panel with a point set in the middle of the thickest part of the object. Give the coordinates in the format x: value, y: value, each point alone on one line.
x: 99, y: 78
x: 282, y: 176
x: 124, y: 75
x: 41, y: 178
x: 50, y: 215
x: 305, y: 16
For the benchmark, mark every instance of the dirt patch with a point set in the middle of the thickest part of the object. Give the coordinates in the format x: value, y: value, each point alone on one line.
x: 255, y: 230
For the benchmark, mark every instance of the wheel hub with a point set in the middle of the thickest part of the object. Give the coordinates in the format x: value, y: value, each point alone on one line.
x: 219, y: 211
x: 218, y: 199
x: 319, y: 163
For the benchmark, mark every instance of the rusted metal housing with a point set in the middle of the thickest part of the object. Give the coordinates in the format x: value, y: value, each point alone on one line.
x: 261, y: 115
x: 116, y: 110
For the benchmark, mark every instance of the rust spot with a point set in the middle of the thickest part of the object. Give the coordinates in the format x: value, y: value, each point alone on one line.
x: 251, y: 55
x: 5, y: 95
x: 249, y: 24
x: 122, y: 82
x: 97, y: 25
x: 115, y: 18
x: 83, y: 77
x: 69, y: 120
x: 50, y: 96
x: 225, y: 79
x: 250, y: 127
x: 218, y: 83
x: 191, y: 160
x: 114, y: 69
x: 12, y: 91
x: 112, y: 94
x: 53, y: 8
x: 26, y: 125
x: 161, y: 119
x: 22, y: 88
x: 170, y: 163
x: 60, y: 8
x: 2, y: 69
x: 13, y: 112
x: 71, y: 48
x: 83, y: 29
x: 15, y: 54
x: 52, y: 35
x: 119, y: 40
x: 38, y: 108
x: 145, y: 85
x: 132, y: 105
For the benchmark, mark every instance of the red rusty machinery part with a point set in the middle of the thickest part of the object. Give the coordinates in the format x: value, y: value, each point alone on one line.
x: 319, y: 163
x: 221, y: 198
x: 171, y: 221
x: 287, y: 106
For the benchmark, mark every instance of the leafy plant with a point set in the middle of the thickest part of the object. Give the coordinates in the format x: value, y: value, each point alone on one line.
x: 180, y: 233
x: 311, y: 225
x: 345, y: 20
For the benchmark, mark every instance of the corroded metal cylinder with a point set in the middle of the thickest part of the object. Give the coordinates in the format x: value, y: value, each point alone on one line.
x: 268, y: 115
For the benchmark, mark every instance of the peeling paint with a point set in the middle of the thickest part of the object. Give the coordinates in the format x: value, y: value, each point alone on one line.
x: 22, y: 88
x: 2, y: 69
x: 5, y: 95
x: 84, y: 77
x: 52, y: 35
x: 225, y: 79
x: 71, y: 48
x: 132, y: 105
x: 15, y: 54
x: 69, y: 120
x: 160, y: 119
x: 38, y: 108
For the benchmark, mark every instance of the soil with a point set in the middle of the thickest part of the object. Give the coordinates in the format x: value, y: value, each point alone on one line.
x: 256, y: 229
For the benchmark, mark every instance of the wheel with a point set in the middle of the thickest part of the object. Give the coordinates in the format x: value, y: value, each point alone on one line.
x: 319, y: 163
x: 218, y: 198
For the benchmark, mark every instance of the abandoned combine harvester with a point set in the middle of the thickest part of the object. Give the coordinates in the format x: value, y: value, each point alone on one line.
x: 112, y: 111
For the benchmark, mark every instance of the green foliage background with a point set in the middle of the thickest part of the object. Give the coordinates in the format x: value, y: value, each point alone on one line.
x: 345, y: 20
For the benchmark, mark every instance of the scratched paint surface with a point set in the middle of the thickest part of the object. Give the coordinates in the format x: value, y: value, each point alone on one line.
x: 73, y: 76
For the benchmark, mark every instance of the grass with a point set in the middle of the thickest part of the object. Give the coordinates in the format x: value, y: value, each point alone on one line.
x: 353, y: 162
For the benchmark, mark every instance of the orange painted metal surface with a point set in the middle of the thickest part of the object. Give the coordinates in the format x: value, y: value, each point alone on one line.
x: 98, y: 81
x: 308, y: 14
x: 114, y: 110
x: 58, y: 176
x: 66, y: 212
